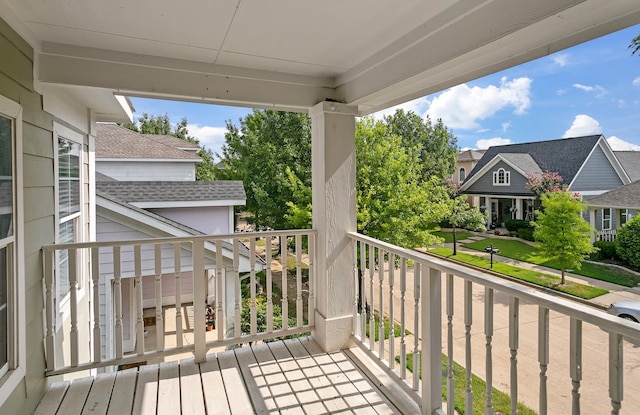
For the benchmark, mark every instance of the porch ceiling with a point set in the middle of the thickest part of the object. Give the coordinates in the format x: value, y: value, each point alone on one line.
x: 290, y: 54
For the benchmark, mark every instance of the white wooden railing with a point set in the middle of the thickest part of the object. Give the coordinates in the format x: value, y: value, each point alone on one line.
x: 420, y: 293
x: 607, y: 235
x: 213, y: 260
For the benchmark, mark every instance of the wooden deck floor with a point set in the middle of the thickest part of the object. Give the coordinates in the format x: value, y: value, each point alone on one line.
x: 292, y: 377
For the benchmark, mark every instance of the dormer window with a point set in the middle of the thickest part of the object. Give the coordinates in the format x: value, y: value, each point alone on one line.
x: 462, y: 174
x: 501, y: 177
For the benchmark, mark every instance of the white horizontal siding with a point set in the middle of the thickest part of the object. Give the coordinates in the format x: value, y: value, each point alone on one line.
x: 148, y: 170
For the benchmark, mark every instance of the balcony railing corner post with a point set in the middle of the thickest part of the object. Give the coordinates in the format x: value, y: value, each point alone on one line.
x: 431, y: 291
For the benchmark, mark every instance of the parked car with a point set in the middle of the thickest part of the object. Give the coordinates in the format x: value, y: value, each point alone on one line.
x: 629, y: 310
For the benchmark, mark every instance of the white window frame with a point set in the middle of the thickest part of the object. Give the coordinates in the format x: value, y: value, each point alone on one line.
x: 606, y: 220
x: 462, y: 172
x: 505, y: 180
x: 60, y: 131
x: 623, y: 213
x: 16, y: 327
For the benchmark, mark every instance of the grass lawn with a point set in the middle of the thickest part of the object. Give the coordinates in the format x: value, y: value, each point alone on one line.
x: 535, y: 277
x: 517, y: 250
x: 501, y: 401
x: 448, y: 236
x: 397, y: 329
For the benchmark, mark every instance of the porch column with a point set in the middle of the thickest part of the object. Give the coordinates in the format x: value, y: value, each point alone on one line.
x: 519, y: 214
x: 592, y: 222
x: 489, y: 212
x: 333, y: 175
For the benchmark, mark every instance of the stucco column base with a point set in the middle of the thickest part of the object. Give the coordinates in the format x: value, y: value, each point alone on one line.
x: 333, y: 334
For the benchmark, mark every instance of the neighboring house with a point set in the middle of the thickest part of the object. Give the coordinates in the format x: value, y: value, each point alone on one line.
x: 127, y: 155
x: 611, y: 210
x: 587, y: 165
x: 467, y: 160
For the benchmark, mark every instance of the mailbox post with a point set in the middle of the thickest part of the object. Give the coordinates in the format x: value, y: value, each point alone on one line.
x: 491, y: 250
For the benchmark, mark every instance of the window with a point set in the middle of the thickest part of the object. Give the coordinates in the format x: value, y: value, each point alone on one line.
x: 12, y: 315
x: 606, y: 218
x: 69, y: 166
x: 624, y: 216
x: 462, y: 174
x: 501, y: 177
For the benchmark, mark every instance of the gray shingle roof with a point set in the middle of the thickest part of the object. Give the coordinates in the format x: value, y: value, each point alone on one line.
x: 470, y: 155
x: 115, y: 142
x: 623, y: 197
x: 630, y: 161
x: 523, y: 161
x: 564, y: 156
x: 184, y: 191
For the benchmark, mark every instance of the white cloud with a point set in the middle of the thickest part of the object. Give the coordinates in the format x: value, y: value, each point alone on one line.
x: 211, y: 137
x: 561, y: 91
x: 583, y: 125
x: 506, y: 126
x: 561, y: 60
x: 418, y: 106
x: 463, y: 107
x: 636, y: 81
x: 490, y: 142
x: 600, y: 91
x: 618, y: 144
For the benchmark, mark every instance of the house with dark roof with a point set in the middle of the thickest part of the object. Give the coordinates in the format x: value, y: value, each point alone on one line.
x: 587, y: 165
x: 467, y: 160
x: 613, y: 209
x: 130, y: 204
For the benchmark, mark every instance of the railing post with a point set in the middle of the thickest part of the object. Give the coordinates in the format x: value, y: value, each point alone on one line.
x: 49, y: 258
x: 575, y: 363
x: 95, y: 279
x: 199, y: 320
x: 616, y: 374
x: 468, y: 321
x: 431, y: 342
x: 514, y: 341
x: 543, y: 356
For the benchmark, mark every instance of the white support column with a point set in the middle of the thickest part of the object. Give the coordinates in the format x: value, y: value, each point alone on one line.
x: 519, y: 211
x: 592, y: 222
x: 334, y: 214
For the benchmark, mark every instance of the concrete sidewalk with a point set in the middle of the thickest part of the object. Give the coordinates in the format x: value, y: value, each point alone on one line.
x: 616, y: 292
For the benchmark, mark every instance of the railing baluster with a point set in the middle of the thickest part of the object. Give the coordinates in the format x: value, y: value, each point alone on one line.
x: 363, y: 291
x: 285, y: 295
x: 221, y: 295
x: 238, y: 294
x: 392, y: 320
x: 73, y: 302
x: 468, y: 320
x: 575, y: 362
x: 403, y: 292
x: 137, y: 258
x: 269, y: 285
x: 177, y: 268
x: 356, y: 292
x: 95, y: 279
x: 199, y: 314
x: 117, y: 300
x: 616, y: 374
x: 311, y: 281
x: 416, y: 325
x: 299, y: 305
x: 158, y: 286
x: 381, y: 341
x: 543, y: 356
x: 488, y: 332
x: 514, y: 339
x: 372, y: 320
x: 450, y: 379
x: 252, y: 287
x: 432, y: 342
x: 50, y: 305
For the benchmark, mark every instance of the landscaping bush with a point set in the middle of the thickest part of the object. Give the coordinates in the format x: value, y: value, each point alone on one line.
x: 526, y: 234
x: 606, y: 250
x: 628, y: 242
x: 513, y: 225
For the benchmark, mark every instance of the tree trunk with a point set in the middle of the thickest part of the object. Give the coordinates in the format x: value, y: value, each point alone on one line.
x: 455, y: 251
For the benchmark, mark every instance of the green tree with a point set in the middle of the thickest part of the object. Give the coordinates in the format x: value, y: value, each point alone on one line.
x: 560, y: 232
x: 394, y: 203
x: 161, y: 125
x: 433, y: 144
x: 461, y: 215
x: 635, y: 45
x: 628, y: 242
x: 271, y: 153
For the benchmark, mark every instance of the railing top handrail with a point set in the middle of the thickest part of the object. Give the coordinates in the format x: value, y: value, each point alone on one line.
x: 573, y: 309
x: 178, y: 239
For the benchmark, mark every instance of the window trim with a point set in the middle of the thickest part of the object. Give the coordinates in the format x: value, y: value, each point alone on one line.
x: 623, y: 213
x: 17, y: 345
x: 60, y: 131
x: 608, y: 227
x: 506, y: 177
x: 462, y: 172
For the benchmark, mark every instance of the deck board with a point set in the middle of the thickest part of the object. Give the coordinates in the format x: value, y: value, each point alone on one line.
x: 293, y: 377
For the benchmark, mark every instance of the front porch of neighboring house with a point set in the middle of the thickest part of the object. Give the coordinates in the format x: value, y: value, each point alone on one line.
x: 472, y: 318
x: 499, y: 209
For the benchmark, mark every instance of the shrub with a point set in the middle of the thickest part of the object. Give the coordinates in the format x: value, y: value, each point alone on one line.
x: 606, y: 250
x: 526, y: 234
x: 628, y: 242
x: 513, y: 225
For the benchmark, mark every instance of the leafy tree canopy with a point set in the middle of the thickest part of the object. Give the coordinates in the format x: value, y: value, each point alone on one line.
x: 160, y: 125
x: 635, y: 45
x: 560, y: 231
x: 628, y: 242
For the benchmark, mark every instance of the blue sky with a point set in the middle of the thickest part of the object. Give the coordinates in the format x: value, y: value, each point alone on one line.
x: 593, y: 88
